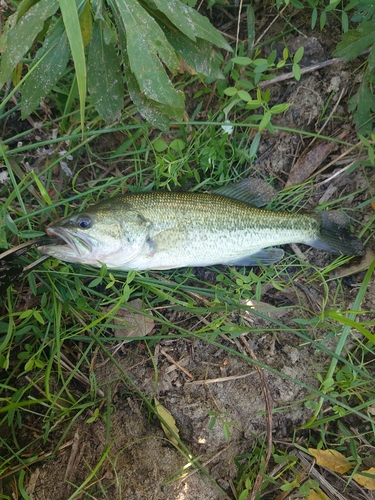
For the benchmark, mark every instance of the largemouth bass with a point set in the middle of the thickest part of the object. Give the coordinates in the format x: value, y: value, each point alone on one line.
x: 166, y: 230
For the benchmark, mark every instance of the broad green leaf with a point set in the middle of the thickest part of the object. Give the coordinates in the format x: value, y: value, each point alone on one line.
x: 253, y: 105
x: 298, y: 55
x: 230, y: 91
x: 344, y: 21
x: 331, y: 6
x: 70, y: 16
x: 364, y: 102
x: 198, y: 55
x: 39, y: 317
x: 242, y: 61
x: 97, y: 9
x: 160, y: 145
x: 255, y: 144
x: 191, y: 23
x: 24, y: 6
x: 147, y: 108
x: 296, y: 70
x: 323, y: 19
x: 265, y: 121
x: 245, y: 96
x: 371, y: 61
x: 51, y: 61
x: 20, y: 37
x: 145, y: 43
x: 144, y: 36
x: 29, y: 365
x: 354, y: 42
x: 272, y: 58
x: 279, y: 108
x: 105, y: 81
x: 314, y: 17
x: 11, y: 224
x: 177, y: 145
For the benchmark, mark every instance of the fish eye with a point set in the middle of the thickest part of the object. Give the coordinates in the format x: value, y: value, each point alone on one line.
x: 84, y: 222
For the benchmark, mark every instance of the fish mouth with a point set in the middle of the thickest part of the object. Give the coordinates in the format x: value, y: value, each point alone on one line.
x: 80, y: 244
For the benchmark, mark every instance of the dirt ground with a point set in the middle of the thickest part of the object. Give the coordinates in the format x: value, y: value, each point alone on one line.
x: 205, y: 378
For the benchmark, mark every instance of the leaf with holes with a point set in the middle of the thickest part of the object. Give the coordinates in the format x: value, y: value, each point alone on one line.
x: 21, y: 33
x: 190, y: 22
x: 104, y: 75
x: 50, y: 61
x: 147, y: 48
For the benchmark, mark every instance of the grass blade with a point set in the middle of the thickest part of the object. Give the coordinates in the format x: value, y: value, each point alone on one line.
x: 70, y: 16
x: 341, y: 343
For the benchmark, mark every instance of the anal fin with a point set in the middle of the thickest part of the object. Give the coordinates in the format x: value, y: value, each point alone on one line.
x: 267, y: 256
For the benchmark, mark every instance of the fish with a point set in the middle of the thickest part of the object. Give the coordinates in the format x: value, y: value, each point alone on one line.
x: 159, y: 230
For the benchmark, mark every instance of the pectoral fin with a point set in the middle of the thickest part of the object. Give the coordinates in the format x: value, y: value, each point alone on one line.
x: 167, y: 239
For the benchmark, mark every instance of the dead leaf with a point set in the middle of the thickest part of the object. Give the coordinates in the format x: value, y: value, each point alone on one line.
x: 317, y: 495
x: 356, y: 267
x: 308, y: 163
x: 264, y: 308
x: 132, y: 324
x: 167, y: 417
x: 332, y: 459
x: 33, y: 481
x: 184, y: 67
x: 366, y: 482
x: 371, y: 409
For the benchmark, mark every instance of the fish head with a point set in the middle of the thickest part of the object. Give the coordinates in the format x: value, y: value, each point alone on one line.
x: 101, y: 235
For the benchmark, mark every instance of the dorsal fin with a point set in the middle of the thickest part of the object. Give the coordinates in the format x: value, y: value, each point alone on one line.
x: 254, y: 192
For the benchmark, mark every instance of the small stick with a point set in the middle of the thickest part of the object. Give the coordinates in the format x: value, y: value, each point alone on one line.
x: 222, y: 379
x: 309, y: 69
x: 15, y: 249
x: 38, y: 459
x: 169, y: 358
x: 71, y: 467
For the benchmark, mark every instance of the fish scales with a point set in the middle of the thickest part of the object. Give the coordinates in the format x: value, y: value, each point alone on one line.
x: 200, y: 229
x: 165, y: 230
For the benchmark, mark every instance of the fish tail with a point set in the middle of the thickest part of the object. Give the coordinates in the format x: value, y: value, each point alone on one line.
x: 335, y: 235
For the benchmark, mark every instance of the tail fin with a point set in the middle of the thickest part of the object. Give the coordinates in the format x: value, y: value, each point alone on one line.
x: 335, y: 236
